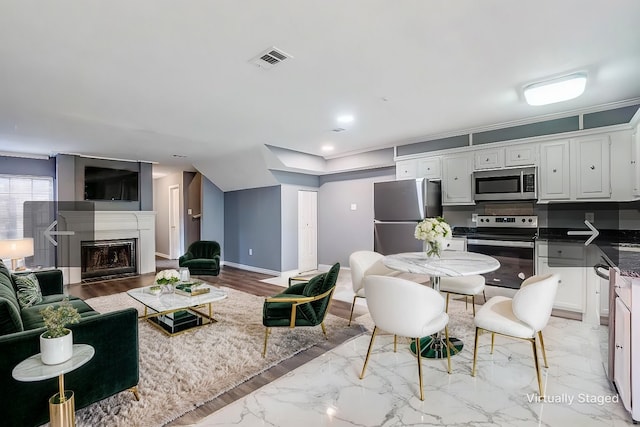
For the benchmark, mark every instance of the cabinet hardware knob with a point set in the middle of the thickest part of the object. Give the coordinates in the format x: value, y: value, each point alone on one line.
x: 618, y: 346
x: 592, y: 167
x: 518, y: 155
x: 455, y: 178
x: 554, y: 171
x: 487, y: 159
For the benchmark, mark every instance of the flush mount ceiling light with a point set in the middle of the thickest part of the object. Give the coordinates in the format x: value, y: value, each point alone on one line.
x: 556, y: 90
x: 345, y: 118
x: 327, y: 148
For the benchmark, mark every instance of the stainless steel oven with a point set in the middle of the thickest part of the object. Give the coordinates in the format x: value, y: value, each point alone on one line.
x: 509, y: 239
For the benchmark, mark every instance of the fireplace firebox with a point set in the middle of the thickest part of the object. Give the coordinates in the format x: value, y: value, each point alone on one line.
x: 104, y: 259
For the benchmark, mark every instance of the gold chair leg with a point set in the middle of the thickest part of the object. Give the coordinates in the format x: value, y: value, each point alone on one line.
x: 266, y: 337
x: 366, y: 360
x: 448, y: 345
x: 493, y: 339
x: 535, y: 361
x: 544, y: 353
x: 395, y: 343
x: 475, y: 353
x: 418, y: 351
x: 134, y: 390
x: 446, y: 307
x: 324, y: 330
x: 484, y: 295
x: 466, y: 303
x: 353, y: 305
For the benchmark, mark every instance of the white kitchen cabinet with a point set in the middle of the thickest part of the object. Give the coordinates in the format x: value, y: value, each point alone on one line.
x: 521, y: 155
x: 622, y: 354
x: 592, y: 173
x: 489, y: 159
x: 457, y: 244
x: 429, y: 168
x: 406, y: 169
x: 456, y: 180
x: 568, y: 261
x: 554, y: 177
x: 635, y: 160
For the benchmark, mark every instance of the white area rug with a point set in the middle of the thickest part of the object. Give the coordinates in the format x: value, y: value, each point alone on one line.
x: 180, y: 373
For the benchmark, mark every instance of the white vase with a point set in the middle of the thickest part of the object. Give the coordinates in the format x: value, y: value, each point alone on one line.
x: 56, y: 350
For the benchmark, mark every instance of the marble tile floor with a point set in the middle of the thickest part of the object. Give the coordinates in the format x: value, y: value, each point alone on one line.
x: 328, y: 392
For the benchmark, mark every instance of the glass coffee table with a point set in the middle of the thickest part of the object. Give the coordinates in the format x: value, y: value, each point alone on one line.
x: 173, y: 313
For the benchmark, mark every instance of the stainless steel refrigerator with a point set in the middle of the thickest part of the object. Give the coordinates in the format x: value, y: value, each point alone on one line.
x: 398, y: 206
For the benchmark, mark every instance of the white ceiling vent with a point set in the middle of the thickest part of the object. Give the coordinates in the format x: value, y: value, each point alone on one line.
x: 270, y: 58
x: 338, y: 130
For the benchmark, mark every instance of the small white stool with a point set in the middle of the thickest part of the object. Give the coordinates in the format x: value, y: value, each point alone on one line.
x: 469, y: 286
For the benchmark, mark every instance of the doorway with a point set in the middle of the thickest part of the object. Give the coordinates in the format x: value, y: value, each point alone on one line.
x: 307, y: 230
x: 174, y: 222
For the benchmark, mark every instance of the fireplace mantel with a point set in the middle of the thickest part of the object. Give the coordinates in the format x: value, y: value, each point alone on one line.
x: 110, y: 225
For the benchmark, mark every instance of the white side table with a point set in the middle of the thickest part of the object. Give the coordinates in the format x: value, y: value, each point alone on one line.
x: 61, y: 405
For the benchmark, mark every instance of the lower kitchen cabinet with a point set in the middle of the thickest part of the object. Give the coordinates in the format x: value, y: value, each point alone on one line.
x: 624, y: 342
x: 568, y: 263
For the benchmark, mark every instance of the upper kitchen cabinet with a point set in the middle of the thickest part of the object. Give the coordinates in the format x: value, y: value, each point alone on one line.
x: 521, y: 155
x: 429, y: 168
x: 489, y: 159
x: 592, y: 174
x: 554, y: 177
x: 406, y: 169
x: 456, y: 180
x: 635, y: 160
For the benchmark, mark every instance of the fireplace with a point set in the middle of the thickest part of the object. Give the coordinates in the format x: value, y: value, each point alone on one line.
x: 106, y: 259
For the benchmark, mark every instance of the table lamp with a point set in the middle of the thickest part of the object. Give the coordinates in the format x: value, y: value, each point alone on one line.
x: 16, y: 249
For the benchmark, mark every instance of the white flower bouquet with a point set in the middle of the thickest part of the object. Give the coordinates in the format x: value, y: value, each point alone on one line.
x: 167, y: 277
x: 435, y: 232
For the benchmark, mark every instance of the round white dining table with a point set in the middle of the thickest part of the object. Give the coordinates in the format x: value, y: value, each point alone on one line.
x: 448, y: 264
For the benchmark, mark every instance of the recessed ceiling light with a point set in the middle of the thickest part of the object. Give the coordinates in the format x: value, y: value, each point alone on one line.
x: 345, y: 118
x: 556, y: 90
x: 327, y: 147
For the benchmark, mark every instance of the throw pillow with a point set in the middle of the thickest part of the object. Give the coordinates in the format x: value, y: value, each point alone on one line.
x: 313, y: 286
x: 28, y: 292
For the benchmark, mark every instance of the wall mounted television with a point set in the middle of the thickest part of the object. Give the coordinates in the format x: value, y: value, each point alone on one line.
x: 110, y: 184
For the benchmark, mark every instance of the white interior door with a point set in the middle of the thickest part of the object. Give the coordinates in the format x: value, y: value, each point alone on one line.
x: 174, y: 222
x: 307, y: 230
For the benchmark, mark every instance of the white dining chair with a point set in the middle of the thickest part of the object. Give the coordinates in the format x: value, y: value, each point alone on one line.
x: 405, y: 308
x: 467, y: 286
x: 364, y: 263
x: 523, y: 316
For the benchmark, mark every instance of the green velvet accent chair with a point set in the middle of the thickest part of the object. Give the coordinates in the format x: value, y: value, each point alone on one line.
x: 202, y: 257
x: 302, y: 304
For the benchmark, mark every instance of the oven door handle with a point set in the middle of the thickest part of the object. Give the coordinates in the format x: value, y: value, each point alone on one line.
x: 502, y: 243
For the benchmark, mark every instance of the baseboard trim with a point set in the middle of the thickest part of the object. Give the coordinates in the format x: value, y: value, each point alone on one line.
x: 161, y: 255
x: 251, y: 268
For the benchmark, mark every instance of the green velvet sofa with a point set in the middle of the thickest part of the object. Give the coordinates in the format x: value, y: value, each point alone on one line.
x: 202, y: 257
x: 113, y: 368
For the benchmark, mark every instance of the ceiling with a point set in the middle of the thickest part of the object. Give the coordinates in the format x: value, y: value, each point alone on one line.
x: 149, y: 79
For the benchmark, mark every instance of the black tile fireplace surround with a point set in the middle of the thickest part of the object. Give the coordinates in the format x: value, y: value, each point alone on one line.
x: 106, y: 259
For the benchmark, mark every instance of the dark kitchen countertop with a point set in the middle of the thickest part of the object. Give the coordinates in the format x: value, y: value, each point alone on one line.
x: 621, y: 247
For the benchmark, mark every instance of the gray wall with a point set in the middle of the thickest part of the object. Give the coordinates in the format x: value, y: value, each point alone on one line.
x: 212, y: 220
x: 22, y: 166
x: 252, y: 221
x: 342, y: 231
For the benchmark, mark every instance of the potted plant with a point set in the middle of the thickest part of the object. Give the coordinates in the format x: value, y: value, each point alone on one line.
x: 56, y: 343
x: 167, y: 278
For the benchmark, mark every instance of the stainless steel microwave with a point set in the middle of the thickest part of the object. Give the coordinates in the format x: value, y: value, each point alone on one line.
x: 505, y: 184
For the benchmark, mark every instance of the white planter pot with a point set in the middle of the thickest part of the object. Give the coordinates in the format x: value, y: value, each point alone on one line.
x: 56, y: 350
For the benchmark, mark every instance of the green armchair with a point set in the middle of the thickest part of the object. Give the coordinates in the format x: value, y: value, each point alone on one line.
x: 302, y: 304
x: 202, y: 257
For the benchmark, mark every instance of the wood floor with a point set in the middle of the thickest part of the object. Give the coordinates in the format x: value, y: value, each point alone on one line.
x: 244, y: 281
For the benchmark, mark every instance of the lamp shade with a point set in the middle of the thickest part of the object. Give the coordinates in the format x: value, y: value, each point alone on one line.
x: 16, y: 248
